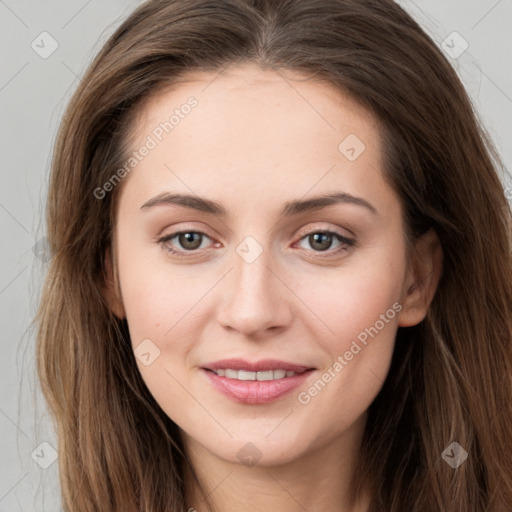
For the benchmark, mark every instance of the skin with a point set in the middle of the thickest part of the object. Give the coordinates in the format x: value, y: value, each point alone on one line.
x: 257, y: 139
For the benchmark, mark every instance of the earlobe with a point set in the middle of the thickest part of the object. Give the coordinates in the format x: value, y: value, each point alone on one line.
x: 422, y: 279
x: 111, y: 290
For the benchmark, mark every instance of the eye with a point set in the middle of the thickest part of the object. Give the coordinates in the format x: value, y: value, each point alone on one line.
x: 322, y: 240
x: 191, y: 241
x: 188, y: 239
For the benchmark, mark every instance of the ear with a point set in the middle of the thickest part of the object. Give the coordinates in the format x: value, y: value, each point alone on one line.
x: 111, y: 290
x: 423, y: 275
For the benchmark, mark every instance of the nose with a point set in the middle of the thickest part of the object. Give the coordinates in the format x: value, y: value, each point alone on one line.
x: 256, y: 297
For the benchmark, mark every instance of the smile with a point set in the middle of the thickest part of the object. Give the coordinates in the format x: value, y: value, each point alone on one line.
x: 259, y: 382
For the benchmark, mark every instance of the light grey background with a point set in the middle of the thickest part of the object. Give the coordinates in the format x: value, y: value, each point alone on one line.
x: 33, y: 94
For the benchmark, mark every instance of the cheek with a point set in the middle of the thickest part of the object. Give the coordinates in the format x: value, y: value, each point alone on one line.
x: 158, y: 297
x: 359, y: 359
x: 360, y: 309
x: 351, y: 300
x: 161, y: 310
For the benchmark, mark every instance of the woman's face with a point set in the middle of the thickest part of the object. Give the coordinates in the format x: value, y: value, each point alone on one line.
x: 270, y: 276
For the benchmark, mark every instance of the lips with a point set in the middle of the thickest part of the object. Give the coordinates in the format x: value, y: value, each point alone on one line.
x: 255, y: 382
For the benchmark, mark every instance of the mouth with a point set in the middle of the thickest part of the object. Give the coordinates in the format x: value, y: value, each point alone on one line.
x: 255, y: 382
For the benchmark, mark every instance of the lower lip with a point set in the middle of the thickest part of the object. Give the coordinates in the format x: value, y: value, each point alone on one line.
x: 255, y: 391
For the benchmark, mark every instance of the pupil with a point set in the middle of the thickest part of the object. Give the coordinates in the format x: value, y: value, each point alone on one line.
x: 326, y: 243
x: 189, y: 238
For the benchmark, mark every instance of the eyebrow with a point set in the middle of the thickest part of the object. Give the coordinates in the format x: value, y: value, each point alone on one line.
x: 290, y: 208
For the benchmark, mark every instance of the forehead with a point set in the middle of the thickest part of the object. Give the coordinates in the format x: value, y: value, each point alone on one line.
x: 251, y: 128
x: 255, y: 97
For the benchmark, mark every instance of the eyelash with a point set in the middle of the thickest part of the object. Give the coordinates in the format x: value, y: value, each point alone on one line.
x: 347, y: 242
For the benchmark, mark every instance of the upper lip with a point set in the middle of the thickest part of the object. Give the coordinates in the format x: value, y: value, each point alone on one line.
x: 256, y: 366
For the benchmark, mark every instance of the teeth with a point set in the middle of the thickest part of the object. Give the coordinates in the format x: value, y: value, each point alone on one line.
x: 231, y: 374
x: 268, y: 375
x: 246, y: 375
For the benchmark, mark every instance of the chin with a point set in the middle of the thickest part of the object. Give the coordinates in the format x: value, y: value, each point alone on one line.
x: 257, y: 450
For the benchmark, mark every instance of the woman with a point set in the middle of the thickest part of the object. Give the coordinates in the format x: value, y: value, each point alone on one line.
x: 257, y: 370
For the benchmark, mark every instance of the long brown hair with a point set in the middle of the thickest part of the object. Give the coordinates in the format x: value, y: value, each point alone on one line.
x: 451, y: 375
